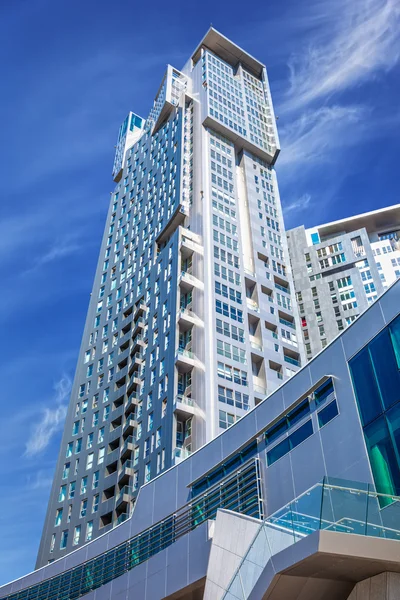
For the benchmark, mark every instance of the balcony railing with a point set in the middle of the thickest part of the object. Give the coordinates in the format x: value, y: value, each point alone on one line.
x: 333, y: 505
x: 239, y: 492
x: 186, y: 353
x: 122, y: 517
x: 252, y: 305
x: 181, y: 453
x: 282, y: 288
x: 260, y: 390
x: 287, y: 323
x: 292, y: 361
x: 184, y: 400
x: 125, y: 491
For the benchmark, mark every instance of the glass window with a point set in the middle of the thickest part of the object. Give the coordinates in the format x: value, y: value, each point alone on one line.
x: 385, y: 368
x: 328, y: 413
x: 394, y: 329
x: 365, y: 386
x: 382, y: 457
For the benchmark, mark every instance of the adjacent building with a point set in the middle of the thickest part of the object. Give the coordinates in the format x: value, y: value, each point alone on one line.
x: 191, y: 320
x: 298, y: 499
x: 341, y: 267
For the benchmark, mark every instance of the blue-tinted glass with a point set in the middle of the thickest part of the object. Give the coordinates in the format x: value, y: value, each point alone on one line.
x: 382, y: 457
x: 394, y: 329
x: 393, y: 420
x: 385, y: 366
x: 279, y: 451
x: 301, y: 434
x: 274, y: 432
x: 298, y: 413
x: 365, y: 386
x: 315, y: 238
x: 328, y: 413
x: 323, y: 391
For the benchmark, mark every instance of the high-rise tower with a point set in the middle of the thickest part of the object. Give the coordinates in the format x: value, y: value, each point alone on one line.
x: 191, y: 319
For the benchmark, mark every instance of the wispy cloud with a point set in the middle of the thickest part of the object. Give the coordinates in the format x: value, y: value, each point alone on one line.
x: 301, y: 203
x: 358, y: 40
x: 52, y: 419
x: 314, y: 135
x: 60, y: 249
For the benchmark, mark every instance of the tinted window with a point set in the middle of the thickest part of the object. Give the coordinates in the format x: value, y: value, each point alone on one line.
x: 364, y: 382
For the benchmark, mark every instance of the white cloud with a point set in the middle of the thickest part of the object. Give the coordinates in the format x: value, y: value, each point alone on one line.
x: 52, y: 419
x: 300, y: 204
x: 356, y: 40
x: 315, y: 135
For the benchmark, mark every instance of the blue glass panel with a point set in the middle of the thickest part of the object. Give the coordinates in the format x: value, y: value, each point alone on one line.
x: 279, y: 451
x: 366, y: 389
x: 328, y: 413
x: 394, y: 329
x: 323, y: 391
x: 277, y: 430
x: 301, y: 434
x: 385, y: 366
x: 393, y: 420
x: 382, y: 457
x: 298, y: 413
x: 315, y: 238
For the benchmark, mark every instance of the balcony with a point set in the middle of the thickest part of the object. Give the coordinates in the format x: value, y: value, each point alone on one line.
x: 260, y: 391
x: 187, y: 281
x: 184, y: 405
x: 122, y: 517
x: 282, y: 288
x: 134, y: 381
x: 292, y: 361
x: 252, y: 305
x: 138, y: 326
x: 129, y: 446
x: 176, y: 219
x: 250, y: 272
x: 287, y: 323
x: 140, y: 310
x: 136, y: 362
x: 124, y: 497
x: 131, y: 404
x: 138, y: 343
x: 187, y: 318
x: 125, y: 472
x: 179, y: 454
x: 130, y: 426
x: 185, y: 360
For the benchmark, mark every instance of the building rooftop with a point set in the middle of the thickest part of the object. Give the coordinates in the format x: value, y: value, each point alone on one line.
x: 228, y: 51
x: 381, y: 220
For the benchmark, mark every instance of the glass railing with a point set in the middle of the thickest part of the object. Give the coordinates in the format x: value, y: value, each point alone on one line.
x: 256, y: 346
x: 292, y: 361
x: 260, y: 390
x: 252, y: 304
x: 282, y: 288
x: 181, y: 453
x: 241, y: 494
x: 187, y: 353
x: 184, y: 400
x: 287, y: 323
x: 130, y: 440
x: 122, y: 517
x: 126, y: 490
x: 334, y: 505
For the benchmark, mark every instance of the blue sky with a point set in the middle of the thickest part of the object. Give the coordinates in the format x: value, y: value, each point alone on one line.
x: 70, y: 73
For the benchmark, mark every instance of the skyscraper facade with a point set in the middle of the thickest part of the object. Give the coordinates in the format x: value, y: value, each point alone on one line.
x: 191, y: 321
x: 340, y: 268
